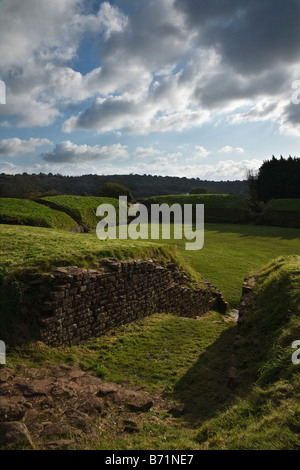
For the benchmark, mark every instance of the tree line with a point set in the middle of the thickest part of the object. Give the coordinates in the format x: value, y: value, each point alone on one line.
x: 141, y: 186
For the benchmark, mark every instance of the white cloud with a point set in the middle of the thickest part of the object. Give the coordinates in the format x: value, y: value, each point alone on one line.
x: 144, y: 152
x: 14, y: 147
x: 200, y: 152
x: 230, y: 149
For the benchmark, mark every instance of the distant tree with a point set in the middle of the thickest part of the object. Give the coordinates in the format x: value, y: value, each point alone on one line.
x: 115, y: 190
x: 252, y: 189
x: 199, y: 191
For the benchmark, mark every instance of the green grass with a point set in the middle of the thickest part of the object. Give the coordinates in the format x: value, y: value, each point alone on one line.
x: 52, y: 248
x: 274, y: 324
x: 268, y: 416
x: 231, y: 252
x: 167, y: 355
x: 283, y: 205
x: 80, y: 208
x: 26, y: 212
x: 268, y: 419
x: 149, y: 352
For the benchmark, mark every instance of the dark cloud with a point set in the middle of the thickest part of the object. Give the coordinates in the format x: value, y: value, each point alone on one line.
x: 103, y: 114
x: 250, y: 35
x: 292, y: 114
x: 67, y: 152
x: 225, y: 87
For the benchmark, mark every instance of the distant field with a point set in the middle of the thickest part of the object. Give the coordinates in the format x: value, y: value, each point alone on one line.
x: 80, y: 208
x: 25, y: 212
x: 217, y: 207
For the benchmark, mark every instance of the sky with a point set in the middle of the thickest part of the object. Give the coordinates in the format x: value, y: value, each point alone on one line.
x: 193, y: 88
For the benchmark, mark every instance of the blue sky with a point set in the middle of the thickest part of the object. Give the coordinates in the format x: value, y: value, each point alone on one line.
x: 167, y: 87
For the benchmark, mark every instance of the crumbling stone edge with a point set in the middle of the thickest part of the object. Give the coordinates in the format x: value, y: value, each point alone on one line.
x: 72, y: 304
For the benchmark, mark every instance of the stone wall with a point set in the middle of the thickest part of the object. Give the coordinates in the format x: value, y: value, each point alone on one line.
x: 73, y: 304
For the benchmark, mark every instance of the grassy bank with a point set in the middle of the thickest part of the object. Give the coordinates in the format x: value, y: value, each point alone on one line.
x: 80, y: 208
x: 266, y: 416
x: 26, y: 212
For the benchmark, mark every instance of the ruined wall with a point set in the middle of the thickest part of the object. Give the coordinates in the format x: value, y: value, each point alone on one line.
x: 73, y: 304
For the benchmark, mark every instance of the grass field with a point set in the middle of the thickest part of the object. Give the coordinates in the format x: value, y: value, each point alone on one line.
x: 231, y: 252
x: 80, y: 208
x: 26, y: 212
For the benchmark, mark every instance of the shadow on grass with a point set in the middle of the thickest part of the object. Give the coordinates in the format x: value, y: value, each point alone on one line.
x: 284, y: 233
x: 204, y: 388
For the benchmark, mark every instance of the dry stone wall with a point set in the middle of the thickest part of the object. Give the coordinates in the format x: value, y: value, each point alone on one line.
x: 73, y: 304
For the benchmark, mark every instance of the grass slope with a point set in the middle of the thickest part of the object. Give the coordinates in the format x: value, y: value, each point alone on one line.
x: 269, y: 416
x: 26, y: 212
x: 80, y: 208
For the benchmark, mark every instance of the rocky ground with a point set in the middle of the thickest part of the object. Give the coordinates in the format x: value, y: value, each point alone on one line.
x: 63, y: 407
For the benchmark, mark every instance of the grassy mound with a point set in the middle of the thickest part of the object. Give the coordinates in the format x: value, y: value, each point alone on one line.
x: 52, y: 248
x: 80, y: 208
x: 281, y: 212
x: 269, y: 416
x: 219, y: 208
x: 26, y: 212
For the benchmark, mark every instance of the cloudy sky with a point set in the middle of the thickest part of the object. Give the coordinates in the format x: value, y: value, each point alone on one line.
x: 192, y: 88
